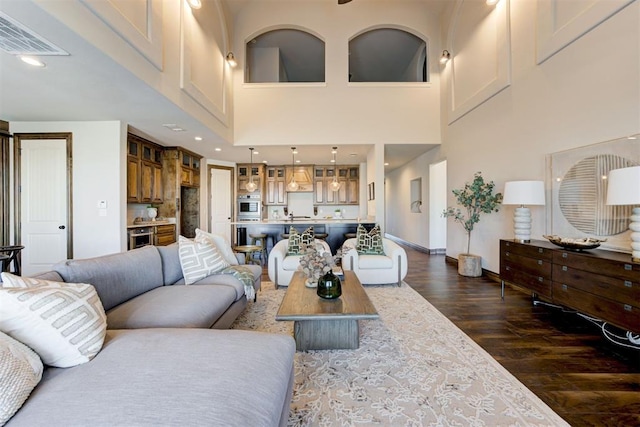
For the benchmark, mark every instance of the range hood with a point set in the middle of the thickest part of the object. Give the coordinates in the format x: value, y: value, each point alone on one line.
x: 303, y: 175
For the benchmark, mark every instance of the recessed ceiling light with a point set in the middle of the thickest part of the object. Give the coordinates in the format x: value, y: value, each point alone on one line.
x: 198, y: 138
x: 218, y: 149
x: 32, y: 61
x: 631, y: 137
x: 264, y: 161
x: 386, y: 163
x: 353, y: 154
x: 174, y: 127
x: 297, y: 161
x: 256, y: 152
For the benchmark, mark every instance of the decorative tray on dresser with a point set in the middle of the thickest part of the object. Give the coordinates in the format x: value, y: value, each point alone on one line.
x: 599, y: 283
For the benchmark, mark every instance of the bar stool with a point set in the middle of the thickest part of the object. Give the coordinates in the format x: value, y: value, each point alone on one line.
x: 249, y: 251
x: 260, y: 239
x: 12, y: 254
x: 349, y: 236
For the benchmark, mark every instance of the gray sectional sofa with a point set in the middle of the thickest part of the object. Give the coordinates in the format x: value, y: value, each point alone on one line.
x: 161, y: 363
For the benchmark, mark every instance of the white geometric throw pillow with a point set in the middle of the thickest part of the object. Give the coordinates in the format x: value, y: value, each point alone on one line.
x: 199, y: 259
x: 20, y: 372
x: 221, y: 243
x: 63, y: 322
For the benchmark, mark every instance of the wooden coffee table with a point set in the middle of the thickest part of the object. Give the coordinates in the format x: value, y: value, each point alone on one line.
x: 321, y: 324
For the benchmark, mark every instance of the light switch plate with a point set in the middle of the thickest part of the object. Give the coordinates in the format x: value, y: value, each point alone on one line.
x: 102, y: 204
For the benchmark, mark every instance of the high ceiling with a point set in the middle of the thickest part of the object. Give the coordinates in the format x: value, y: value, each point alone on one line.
x: 89, y: 86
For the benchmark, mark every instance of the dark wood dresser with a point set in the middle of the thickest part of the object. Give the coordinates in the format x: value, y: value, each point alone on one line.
x: 599, y: 283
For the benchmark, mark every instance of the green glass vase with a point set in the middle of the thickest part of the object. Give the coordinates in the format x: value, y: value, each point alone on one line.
x: 329, y: 286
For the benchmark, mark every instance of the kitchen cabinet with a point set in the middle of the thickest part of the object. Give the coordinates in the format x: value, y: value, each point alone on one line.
x: 189, y: 169
x: 599, y: 283
x: 243, y: 170
x: 165, y: 234
x: 181, y: 177
x: 348, y: 177
x: 322, y: 177
x: 275, y: 186
x: 144, y: 171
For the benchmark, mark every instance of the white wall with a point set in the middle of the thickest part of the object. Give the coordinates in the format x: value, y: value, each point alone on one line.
x: 410, y: 226
x: 177, y: 51
x: 335, y: 112
x: 99, y: 173
x: 586, y: 93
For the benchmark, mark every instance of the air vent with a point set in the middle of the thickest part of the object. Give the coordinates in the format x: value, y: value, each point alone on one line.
x: 16, y: 39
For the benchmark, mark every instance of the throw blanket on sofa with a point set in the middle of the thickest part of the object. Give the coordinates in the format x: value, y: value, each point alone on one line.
x: 245, y: 276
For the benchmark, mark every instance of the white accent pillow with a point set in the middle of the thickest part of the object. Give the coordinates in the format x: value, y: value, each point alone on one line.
x: 221, y: 243
x: 199, y: 259
x: 20, y: 372
x: 63, y: 322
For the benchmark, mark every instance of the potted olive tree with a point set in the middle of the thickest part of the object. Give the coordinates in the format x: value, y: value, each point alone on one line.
x: 476, y: 198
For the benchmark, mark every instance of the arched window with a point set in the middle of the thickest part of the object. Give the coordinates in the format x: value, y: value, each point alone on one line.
x: 387, y: 55
x: 285, y: 55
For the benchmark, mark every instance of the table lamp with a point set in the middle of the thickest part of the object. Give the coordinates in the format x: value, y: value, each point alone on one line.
x: 624, y: 189
x: 523, y: 193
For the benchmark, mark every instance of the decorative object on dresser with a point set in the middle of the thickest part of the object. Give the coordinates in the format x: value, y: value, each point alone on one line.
x: 577, y: 181
x: 476, y: 197
x: 624, y: 189
x: 523, y: 193
x: 598, y: 283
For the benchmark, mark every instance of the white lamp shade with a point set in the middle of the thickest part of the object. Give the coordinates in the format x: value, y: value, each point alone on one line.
x: 523, y: 193
x: 624, y: 186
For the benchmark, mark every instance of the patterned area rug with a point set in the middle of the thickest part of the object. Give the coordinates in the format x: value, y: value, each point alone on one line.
x: 413, y: 368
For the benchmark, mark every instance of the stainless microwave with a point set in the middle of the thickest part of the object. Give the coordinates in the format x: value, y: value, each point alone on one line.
x: 249, y: 207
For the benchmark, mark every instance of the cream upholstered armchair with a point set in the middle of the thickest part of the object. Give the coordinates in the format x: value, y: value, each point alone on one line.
x: 282, y: 266
x: 391, y: 267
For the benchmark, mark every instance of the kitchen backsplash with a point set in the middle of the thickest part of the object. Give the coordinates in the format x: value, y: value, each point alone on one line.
x: 301, y: 204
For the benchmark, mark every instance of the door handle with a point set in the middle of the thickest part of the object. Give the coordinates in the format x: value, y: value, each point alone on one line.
x: 62, y: 227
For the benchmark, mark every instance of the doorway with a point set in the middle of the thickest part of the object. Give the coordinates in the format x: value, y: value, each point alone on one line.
x: 43, y: 199
x: 221, y: 200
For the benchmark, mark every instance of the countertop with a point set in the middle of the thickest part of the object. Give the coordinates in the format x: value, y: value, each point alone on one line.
x: 151, y: 223
x: 325, y: 221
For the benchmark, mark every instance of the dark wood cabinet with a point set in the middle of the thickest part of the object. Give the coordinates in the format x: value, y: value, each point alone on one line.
x: 599, y: 283
x: 144, y: 171
x: 165, y: 234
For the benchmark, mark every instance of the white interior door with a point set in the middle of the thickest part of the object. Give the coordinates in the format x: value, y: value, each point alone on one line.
x: 43, y: 203
x: 220, y: 209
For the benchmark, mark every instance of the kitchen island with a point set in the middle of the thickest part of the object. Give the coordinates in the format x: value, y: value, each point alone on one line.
x: 334, y: 228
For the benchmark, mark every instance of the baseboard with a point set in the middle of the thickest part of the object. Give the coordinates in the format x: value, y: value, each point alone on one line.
x: 485, y: 273
x: 438, y: 251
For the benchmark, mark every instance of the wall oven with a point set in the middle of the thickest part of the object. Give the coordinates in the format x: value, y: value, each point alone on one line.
x: 249, y: 207
x: 141, y: 236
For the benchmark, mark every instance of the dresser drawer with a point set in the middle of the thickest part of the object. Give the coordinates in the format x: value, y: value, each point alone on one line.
x: 612, y: 266
x: 537, y: 284
x: 524, y: 249
x: 614, y: 288
x: 532, y: 266
x: 623, y: 315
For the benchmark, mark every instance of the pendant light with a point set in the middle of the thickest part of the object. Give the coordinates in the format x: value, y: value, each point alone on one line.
x: 335, y: 185
x: 251, y: 186
x: 293, y: 185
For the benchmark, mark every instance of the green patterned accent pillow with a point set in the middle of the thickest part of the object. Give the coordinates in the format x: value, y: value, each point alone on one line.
x: 297, y: 241
x: 369, y: 243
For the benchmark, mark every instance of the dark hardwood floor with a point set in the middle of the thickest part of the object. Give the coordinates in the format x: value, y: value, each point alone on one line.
x: 558, y: 355
x: 561, y: 357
